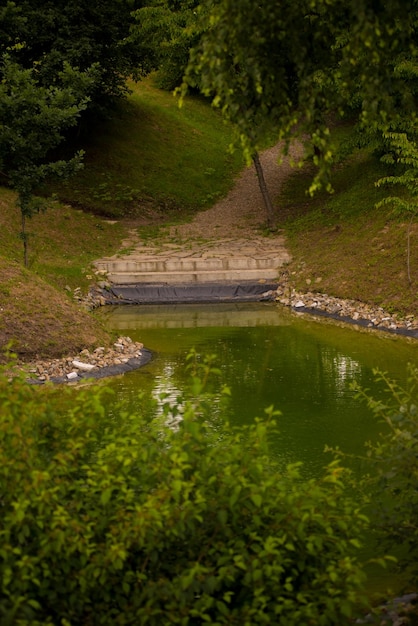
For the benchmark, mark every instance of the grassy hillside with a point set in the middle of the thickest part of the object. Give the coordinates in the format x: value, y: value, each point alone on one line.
x: 151, y: 162
x: 39, y: 320
x: 344, y: 246
x: 154, y: 158
x: 37, y: 309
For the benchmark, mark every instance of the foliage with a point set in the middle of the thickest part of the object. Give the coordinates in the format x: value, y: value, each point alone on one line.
x: 263, y: 65
x: 53, y: 33
x: 122, y: 520
x: 393, y: 475
x: 404, y: 151
x: 58, y: 58
x: 166, y: 30
x: 390, y: 129
x: 33, y: 120
x: 320, y: 232
x: 288, y: 65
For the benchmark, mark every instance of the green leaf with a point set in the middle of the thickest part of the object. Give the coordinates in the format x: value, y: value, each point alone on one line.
x: 257, y: 499
x: 105, y: 496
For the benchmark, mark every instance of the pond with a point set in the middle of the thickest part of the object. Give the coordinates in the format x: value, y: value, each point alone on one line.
x: 268, y: 355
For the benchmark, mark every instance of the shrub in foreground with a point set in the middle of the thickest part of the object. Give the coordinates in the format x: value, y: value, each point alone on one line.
x: 393, y: 471
x: 125, y: 521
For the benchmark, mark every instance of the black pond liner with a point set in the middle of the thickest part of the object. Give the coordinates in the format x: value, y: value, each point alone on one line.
x: 183, y: 293
x: 102, y: 372
x: 364, y: 323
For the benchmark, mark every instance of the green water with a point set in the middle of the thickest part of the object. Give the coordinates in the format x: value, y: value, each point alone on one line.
x: 270, y: 356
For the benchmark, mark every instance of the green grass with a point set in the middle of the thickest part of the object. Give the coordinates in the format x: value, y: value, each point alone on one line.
x: 343, y: 245
x: 63, y: 241
x: 155, y: 156
x: 354, y: 194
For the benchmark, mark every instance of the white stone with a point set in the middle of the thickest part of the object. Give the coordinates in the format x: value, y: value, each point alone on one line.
x: 86, y: 367
x: 72, y: 375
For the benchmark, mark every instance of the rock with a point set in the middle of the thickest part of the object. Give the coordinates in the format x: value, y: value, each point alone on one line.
x: 376, y: 317
x: 85, y: 367
x: 72, y: 375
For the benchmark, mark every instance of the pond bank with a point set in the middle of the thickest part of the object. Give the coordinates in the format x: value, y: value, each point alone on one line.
x: 346, y: 310
x: 123, y: 356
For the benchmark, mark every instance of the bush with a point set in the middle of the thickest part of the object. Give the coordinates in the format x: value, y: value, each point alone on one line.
x: 392, y: 483
x: 126, y: 521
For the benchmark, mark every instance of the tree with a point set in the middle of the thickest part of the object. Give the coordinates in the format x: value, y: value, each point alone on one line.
x: 33, y: 120
x: 258, y: 63
x: 404, y: 152
x: 11, y: 23
x: 59, y: 58
x: 261, y: 64
x: 283, y: 67
x: 52, y: 33
x: 166, y: 30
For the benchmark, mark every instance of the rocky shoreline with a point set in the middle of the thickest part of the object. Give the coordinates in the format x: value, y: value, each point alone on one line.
x: 124, y: 355
x: 346, y: 310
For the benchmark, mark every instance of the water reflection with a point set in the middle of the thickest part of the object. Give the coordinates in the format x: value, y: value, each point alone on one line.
x: 343, y: 370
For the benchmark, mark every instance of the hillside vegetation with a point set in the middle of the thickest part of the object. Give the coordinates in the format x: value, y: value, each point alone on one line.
x: 151, y: 163
x: 154, y: 163
x: 345, y: 246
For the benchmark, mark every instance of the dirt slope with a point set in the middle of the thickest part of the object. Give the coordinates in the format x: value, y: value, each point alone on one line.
x: 39, y: 320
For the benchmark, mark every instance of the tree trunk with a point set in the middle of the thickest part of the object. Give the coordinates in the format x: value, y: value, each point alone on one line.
x: 264, y: 190
x: 408, y: 251
x: 24, y: 236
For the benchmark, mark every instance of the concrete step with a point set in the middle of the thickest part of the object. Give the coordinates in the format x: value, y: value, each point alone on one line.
x: 201, y: 276
x: 195, y: 265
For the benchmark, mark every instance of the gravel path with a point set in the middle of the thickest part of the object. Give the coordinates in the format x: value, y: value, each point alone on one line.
x: 241, y: 213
